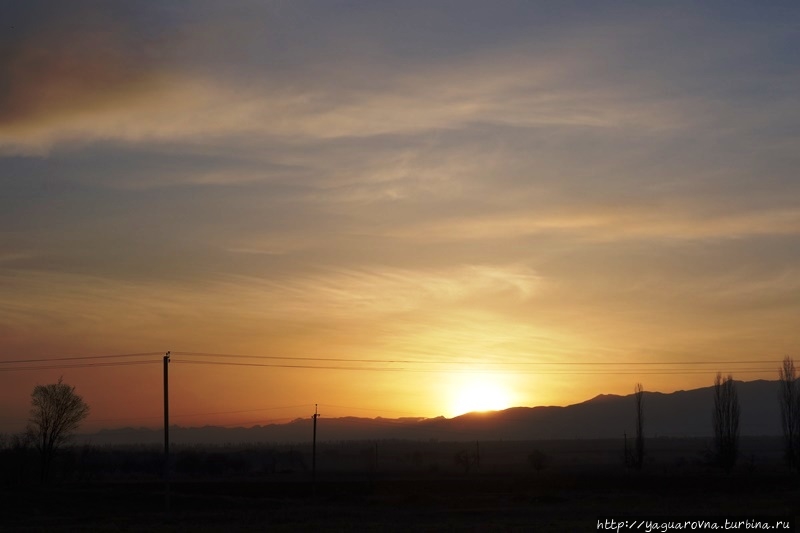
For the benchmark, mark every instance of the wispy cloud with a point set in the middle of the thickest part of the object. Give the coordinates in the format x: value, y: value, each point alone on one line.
x: 611, y: 225
x: 105, y: 81
x: 364, y: 292
x: 461, y: 179
x: 32, y: 300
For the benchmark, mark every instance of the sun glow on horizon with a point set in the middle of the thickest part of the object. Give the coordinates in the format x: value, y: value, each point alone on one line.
x: 477, y: 393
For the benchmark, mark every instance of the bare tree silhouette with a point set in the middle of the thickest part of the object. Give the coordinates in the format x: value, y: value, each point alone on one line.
x: 466, y: 460
x: 726, y: 421
x: 56, y: 411
x: 789, y: 399
x: 639, y: 397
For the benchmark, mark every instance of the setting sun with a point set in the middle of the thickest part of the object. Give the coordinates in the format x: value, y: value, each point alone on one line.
x: 479, y: 393
x: 411, y: 209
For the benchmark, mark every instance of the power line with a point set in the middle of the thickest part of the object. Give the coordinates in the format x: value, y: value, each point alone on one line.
x: 648, y: 372
x: 365, y: 409
x: 290, y: 358
x: 395, y: 361
x: 543, y: 367
x: 76, y: 358
x: 247, y: 410
x: 183, y: 415
x: 675, y: 371
x: 268, y: 365
x: 80, y: 365
x: 260, y: 422
x: 466, y: 362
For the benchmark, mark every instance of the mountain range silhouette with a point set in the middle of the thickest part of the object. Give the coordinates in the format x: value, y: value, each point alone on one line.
x: 684, y: 413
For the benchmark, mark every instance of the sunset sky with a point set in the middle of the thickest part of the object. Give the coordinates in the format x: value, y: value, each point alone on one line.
x: 448, y: 205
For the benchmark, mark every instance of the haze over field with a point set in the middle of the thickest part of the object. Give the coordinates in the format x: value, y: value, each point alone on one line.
x: 442, y: 206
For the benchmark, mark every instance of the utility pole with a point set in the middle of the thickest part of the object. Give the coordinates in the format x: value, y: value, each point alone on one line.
x: 166, y: 431
x: 314, y: 454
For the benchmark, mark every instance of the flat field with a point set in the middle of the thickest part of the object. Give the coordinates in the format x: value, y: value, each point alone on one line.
x: 398, y: 486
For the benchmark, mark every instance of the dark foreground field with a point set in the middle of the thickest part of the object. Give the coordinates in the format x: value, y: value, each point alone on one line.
x: 391, y: 486
x: 436, y: 502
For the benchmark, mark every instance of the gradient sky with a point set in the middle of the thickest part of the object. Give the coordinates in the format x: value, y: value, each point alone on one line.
x: 487, y: 189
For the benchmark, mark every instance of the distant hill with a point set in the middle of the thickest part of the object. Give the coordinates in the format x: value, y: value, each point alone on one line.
x: 677, y: 414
